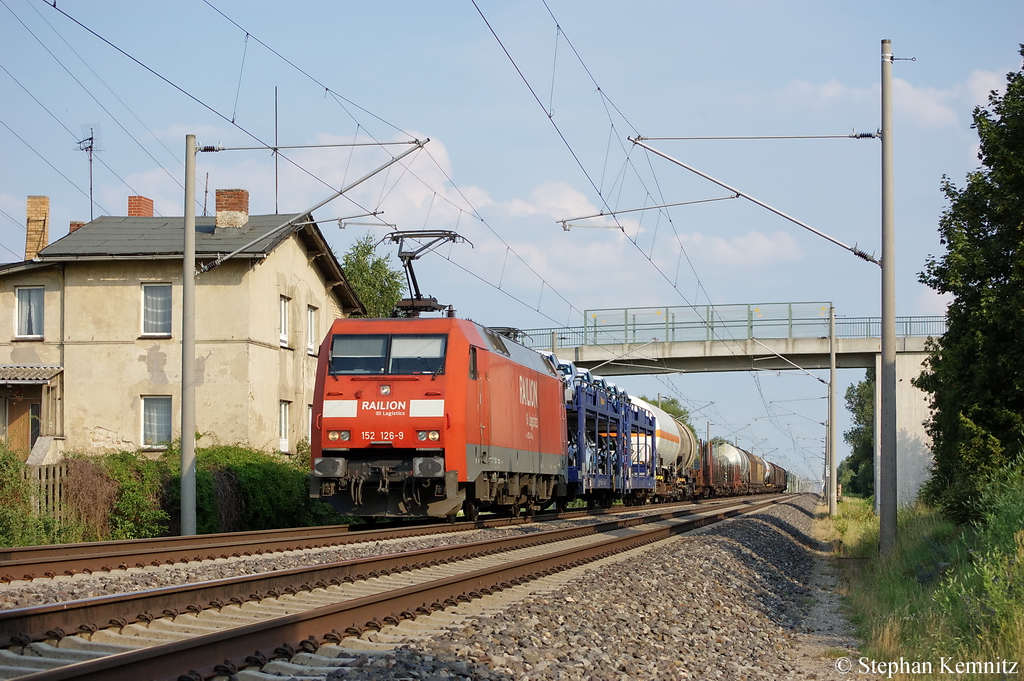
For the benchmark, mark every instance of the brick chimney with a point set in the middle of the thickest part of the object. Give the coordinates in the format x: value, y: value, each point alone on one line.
x: 37, y: 225
x: 140, y: 207
x: 75, y: 226
x: 232, y: 207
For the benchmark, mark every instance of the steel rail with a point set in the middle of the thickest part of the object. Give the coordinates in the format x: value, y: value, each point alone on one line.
x: 29, y: 562
x: 330, y: 623
x: 55, y: 620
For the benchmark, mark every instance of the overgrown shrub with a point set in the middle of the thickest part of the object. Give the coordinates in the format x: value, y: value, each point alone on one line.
x: 17, y: 522
x: 127, y: 495
x: 945, y: 589
x: 89, y: 496
x: 20, y: 525
x: 238, y: 488
x: 984, y: 595
x: 136, y: 512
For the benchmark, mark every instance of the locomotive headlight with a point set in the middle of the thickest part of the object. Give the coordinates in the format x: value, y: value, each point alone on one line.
x: 335, y: 435
x: 346, y: 436
x: 433, y: 436
x: 421, y: 435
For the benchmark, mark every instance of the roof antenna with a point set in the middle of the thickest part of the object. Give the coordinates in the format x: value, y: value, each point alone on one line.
x: 206, y: 194
x: 88, y: 145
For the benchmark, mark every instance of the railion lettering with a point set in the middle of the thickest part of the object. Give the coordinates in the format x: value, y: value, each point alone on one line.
x: 383, y: 405
x: 527, y: 391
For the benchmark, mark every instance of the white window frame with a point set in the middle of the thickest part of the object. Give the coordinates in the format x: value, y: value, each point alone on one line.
x: 311, y: 333
x: 309, y: 423
x: 162, y: 444
x: 283, y: 409
x: 283, y: 320
x: 18, y: 308
x: 170, y: 318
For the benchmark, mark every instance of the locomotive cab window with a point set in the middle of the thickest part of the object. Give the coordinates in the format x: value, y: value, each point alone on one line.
x: 383, y: 354
x: 359, y: 354
x: 417, y: 354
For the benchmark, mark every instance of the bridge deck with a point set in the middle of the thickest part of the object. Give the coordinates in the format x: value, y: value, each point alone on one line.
x: 725, y: 338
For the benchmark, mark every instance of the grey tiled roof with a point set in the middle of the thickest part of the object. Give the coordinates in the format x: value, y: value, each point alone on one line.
x: 27, y: 373
x: 146, y: 237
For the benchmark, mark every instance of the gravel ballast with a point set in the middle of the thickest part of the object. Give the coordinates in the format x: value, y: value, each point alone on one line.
x: 738, y: 600
x: 729, y: 602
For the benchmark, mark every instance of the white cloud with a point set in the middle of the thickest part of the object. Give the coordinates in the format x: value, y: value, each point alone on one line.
x: 752, y: 249
x: 923, y: 106
x: 557, y: 199
x: 979, y: 84
x: 931, y: 302
x: 802, y: 94
x: 928, y: 106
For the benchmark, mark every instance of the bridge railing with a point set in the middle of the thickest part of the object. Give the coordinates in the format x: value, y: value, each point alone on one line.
x: 720, y: 323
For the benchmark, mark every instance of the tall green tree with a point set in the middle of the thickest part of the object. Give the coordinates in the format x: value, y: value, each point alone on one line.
x: 377, y: 285
x: 857, y: 471
x: 975, y: 371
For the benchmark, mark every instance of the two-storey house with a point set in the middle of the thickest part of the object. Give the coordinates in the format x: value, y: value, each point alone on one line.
x: 92, y: 359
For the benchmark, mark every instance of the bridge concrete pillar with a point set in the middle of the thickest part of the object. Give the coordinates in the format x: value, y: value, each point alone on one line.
x: 913, y: 444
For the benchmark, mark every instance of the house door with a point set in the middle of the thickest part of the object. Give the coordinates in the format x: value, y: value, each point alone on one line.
x: 23, y: 419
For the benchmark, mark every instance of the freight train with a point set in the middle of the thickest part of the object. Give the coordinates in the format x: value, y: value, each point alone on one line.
x: 424, y: 417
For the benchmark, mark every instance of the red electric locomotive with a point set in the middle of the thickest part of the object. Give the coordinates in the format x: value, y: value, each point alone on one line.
x: 424, y: 417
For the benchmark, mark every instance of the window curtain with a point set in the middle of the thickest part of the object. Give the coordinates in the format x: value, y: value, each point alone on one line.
x: 157, y: 310
x: 156, y: 420
x: 30, y: 312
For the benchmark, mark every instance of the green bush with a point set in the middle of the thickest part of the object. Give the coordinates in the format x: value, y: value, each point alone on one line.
x: 238, y: 488
x: 136, y: 512
x: 944, y: 589
x: 17, y: 526
x: 127, y: 495
x: 984, y: 594
x: 20, y: 525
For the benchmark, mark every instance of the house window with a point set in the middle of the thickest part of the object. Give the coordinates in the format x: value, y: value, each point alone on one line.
x: 30, y: 311
x: 156, y: 310
x: 156, y: 421
x: 284, y: 321
x: 282, y: 427
x: 311, y: 335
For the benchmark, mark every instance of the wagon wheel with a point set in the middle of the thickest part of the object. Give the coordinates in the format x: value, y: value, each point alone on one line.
x: 472, y: 510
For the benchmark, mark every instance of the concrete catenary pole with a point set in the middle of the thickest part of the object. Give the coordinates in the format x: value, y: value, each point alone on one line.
x: 832, y: 489
x: 188, y: 347
x: 887, y: 450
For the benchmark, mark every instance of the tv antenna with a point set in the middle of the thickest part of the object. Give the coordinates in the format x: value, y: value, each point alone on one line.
x: 417, y: 302
x: 88, y: 145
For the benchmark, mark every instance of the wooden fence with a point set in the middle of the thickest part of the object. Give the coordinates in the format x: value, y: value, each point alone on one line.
x: 49, y: 480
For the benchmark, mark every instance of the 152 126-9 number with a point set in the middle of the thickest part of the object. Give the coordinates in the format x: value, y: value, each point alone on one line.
x: 385, y: 435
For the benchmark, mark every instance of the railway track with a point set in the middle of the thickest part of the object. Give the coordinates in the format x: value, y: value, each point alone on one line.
x: 32, y: 562
x: 303, y: 616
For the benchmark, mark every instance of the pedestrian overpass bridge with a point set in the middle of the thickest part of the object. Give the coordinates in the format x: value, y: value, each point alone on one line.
x: 764, y: 337
x: 773, y: 337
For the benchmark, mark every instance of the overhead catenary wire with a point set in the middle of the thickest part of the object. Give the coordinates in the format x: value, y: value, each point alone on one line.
x: 92, y: 96
x: 172, y: 155
x: 195, y: 99
x: 673, y: 284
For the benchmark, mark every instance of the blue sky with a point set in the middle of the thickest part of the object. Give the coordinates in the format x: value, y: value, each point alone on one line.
x: 523, y: 139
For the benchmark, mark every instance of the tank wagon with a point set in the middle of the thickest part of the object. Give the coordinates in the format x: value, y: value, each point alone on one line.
x: 424, y: 417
